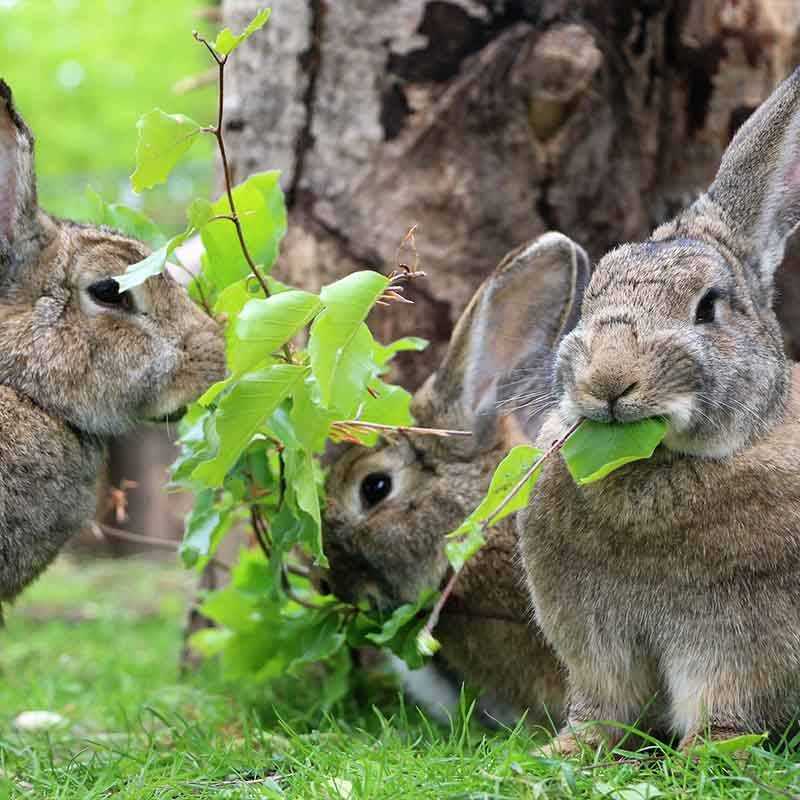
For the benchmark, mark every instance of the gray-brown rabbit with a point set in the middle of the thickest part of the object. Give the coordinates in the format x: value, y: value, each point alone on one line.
x: 671, y: 588
x: 390, y: 508
x: 79, y: 360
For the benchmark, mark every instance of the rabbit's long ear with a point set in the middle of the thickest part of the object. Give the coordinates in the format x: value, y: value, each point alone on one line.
x: 758, y: 183
x: 512, y: 325
x: 17, y: 188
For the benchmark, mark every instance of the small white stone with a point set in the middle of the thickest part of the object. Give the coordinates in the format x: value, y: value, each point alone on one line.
x: 38, y: 721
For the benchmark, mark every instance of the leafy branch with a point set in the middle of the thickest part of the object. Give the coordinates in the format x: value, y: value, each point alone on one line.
x: 251, y: 445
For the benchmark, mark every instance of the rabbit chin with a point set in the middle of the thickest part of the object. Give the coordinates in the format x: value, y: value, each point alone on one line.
x: 169, y: 408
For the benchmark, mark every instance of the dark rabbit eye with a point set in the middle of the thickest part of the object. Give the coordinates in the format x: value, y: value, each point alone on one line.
x: 706, y: 308
x: 107, y: 293
x: 375, y: 487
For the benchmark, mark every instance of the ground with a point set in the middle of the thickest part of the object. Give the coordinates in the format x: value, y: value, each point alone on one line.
x: 98, y: 643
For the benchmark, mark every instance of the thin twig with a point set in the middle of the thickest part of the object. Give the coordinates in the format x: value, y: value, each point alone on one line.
x: 376, y: 426
x: 226, y: 172
x: 259, y: 531
x: 290, y: 593
x: 150, y: 541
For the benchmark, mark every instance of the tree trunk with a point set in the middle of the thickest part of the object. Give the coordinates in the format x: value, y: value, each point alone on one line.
x: 488, y: 122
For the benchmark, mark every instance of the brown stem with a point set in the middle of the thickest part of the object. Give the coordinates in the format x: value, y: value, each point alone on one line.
x: 259, y: 531
x: 151, y: 541
x: 376, y: 426
x: 226, y: 172
x: 433, y: 619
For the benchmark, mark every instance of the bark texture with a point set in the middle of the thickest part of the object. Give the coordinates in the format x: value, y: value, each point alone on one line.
x: 488, y: 122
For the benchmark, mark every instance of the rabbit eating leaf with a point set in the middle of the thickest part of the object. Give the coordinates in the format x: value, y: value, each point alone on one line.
x: 79, y: 360
x: 390, y: 509
x: 671, y: 588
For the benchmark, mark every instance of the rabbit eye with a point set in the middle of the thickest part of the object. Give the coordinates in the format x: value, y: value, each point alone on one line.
x: 107, y: 293
x: 706, y: 308
x: 375, y: 487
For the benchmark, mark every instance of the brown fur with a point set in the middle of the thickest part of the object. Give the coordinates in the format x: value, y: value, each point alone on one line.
x: 671, y: 589
x: 501, y: 348
x: 74, y: 370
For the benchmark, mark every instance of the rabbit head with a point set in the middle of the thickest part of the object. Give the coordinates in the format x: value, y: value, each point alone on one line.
x: 390, y: 507
x: 681, y: 326
x: 97, y: 358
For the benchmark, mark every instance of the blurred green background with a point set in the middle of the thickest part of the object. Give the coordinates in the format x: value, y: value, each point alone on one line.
x: 83, y: 72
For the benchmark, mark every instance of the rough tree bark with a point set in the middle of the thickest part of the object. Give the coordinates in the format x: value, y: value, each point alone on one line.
x: 488, y: 122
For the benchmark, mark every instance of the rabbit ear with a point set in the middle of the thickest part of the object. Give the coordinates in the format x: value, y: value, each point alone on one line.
x: 758, y: 183
x: 512, y: 324
x: 17, y: 187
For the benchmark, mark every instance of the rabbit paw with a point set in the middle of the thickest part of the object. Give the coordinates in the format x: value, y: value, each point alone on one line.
x: 565, y: 745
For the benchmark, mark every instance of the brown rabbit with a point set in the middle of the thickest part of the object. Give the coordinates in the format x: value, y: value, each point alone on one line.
x: 671, y: 589
x: 390, y: 508
x: 79, y: 360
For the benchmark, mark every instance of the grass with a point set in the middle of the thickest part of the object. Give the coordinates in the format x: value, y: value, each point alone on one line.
x: 98, y: 643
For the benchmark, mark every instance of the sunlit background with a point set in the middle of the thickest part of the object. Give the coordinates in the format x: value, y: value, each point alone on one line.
x: 84, y: 71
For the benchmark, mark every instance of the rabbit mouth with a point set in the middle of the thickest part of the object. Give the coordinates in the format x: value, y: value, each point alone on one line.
x: 170, y: 417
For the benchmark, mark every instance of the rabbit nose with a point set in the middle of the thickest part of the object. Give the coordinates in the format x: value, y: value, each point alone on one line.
x: 612, y: 399
x: 608, y: 386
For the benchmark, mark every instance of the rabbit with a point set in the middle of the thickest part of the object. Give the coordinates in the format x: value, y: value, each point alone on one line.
x: 79, y: 360
x: 671, y: 588
x: 390, y: 508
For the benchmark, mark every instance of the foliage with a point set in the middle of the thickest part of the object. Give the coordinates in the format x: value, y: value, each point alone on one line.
x: 251, y: 444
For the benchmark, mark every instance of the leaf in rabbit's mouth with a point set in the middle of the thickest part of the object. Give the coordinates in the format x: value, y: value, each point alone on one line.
x: 598, y: 448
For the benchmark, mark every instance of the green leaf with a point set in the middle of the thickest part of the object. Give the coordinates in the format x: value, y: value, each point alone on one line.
x: 427, y: 645
x: 350, y: 299
x: 124, y: 219
x: 152, y: 265
x: 230, y: 608
x: 319, y: 639
x: 242, y: 411
x: 384, y: 353
x: 730, y: 746
x: 265, y: 325
x: 392, y: 406
x: 398, y: 633
x: 206, y: 525
x: 262, y: 215
x: 233, y: 298
x: 343, y: 368
x: 340, y: 345
x: 301, y: 480
x: 199, y: 213
x: 310, y: 420
x: 507, y: 475
x: 596, y: 449
x: 163, y: 140
x: 194, y: 446
x: 226, y: 42
x: 462, y: 549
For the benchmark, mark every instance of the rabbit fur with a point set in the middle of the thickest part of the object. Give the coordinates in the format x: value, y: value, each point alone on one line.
x: 390, y: 550
x: 671, y: 588
x: 78, y: 361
